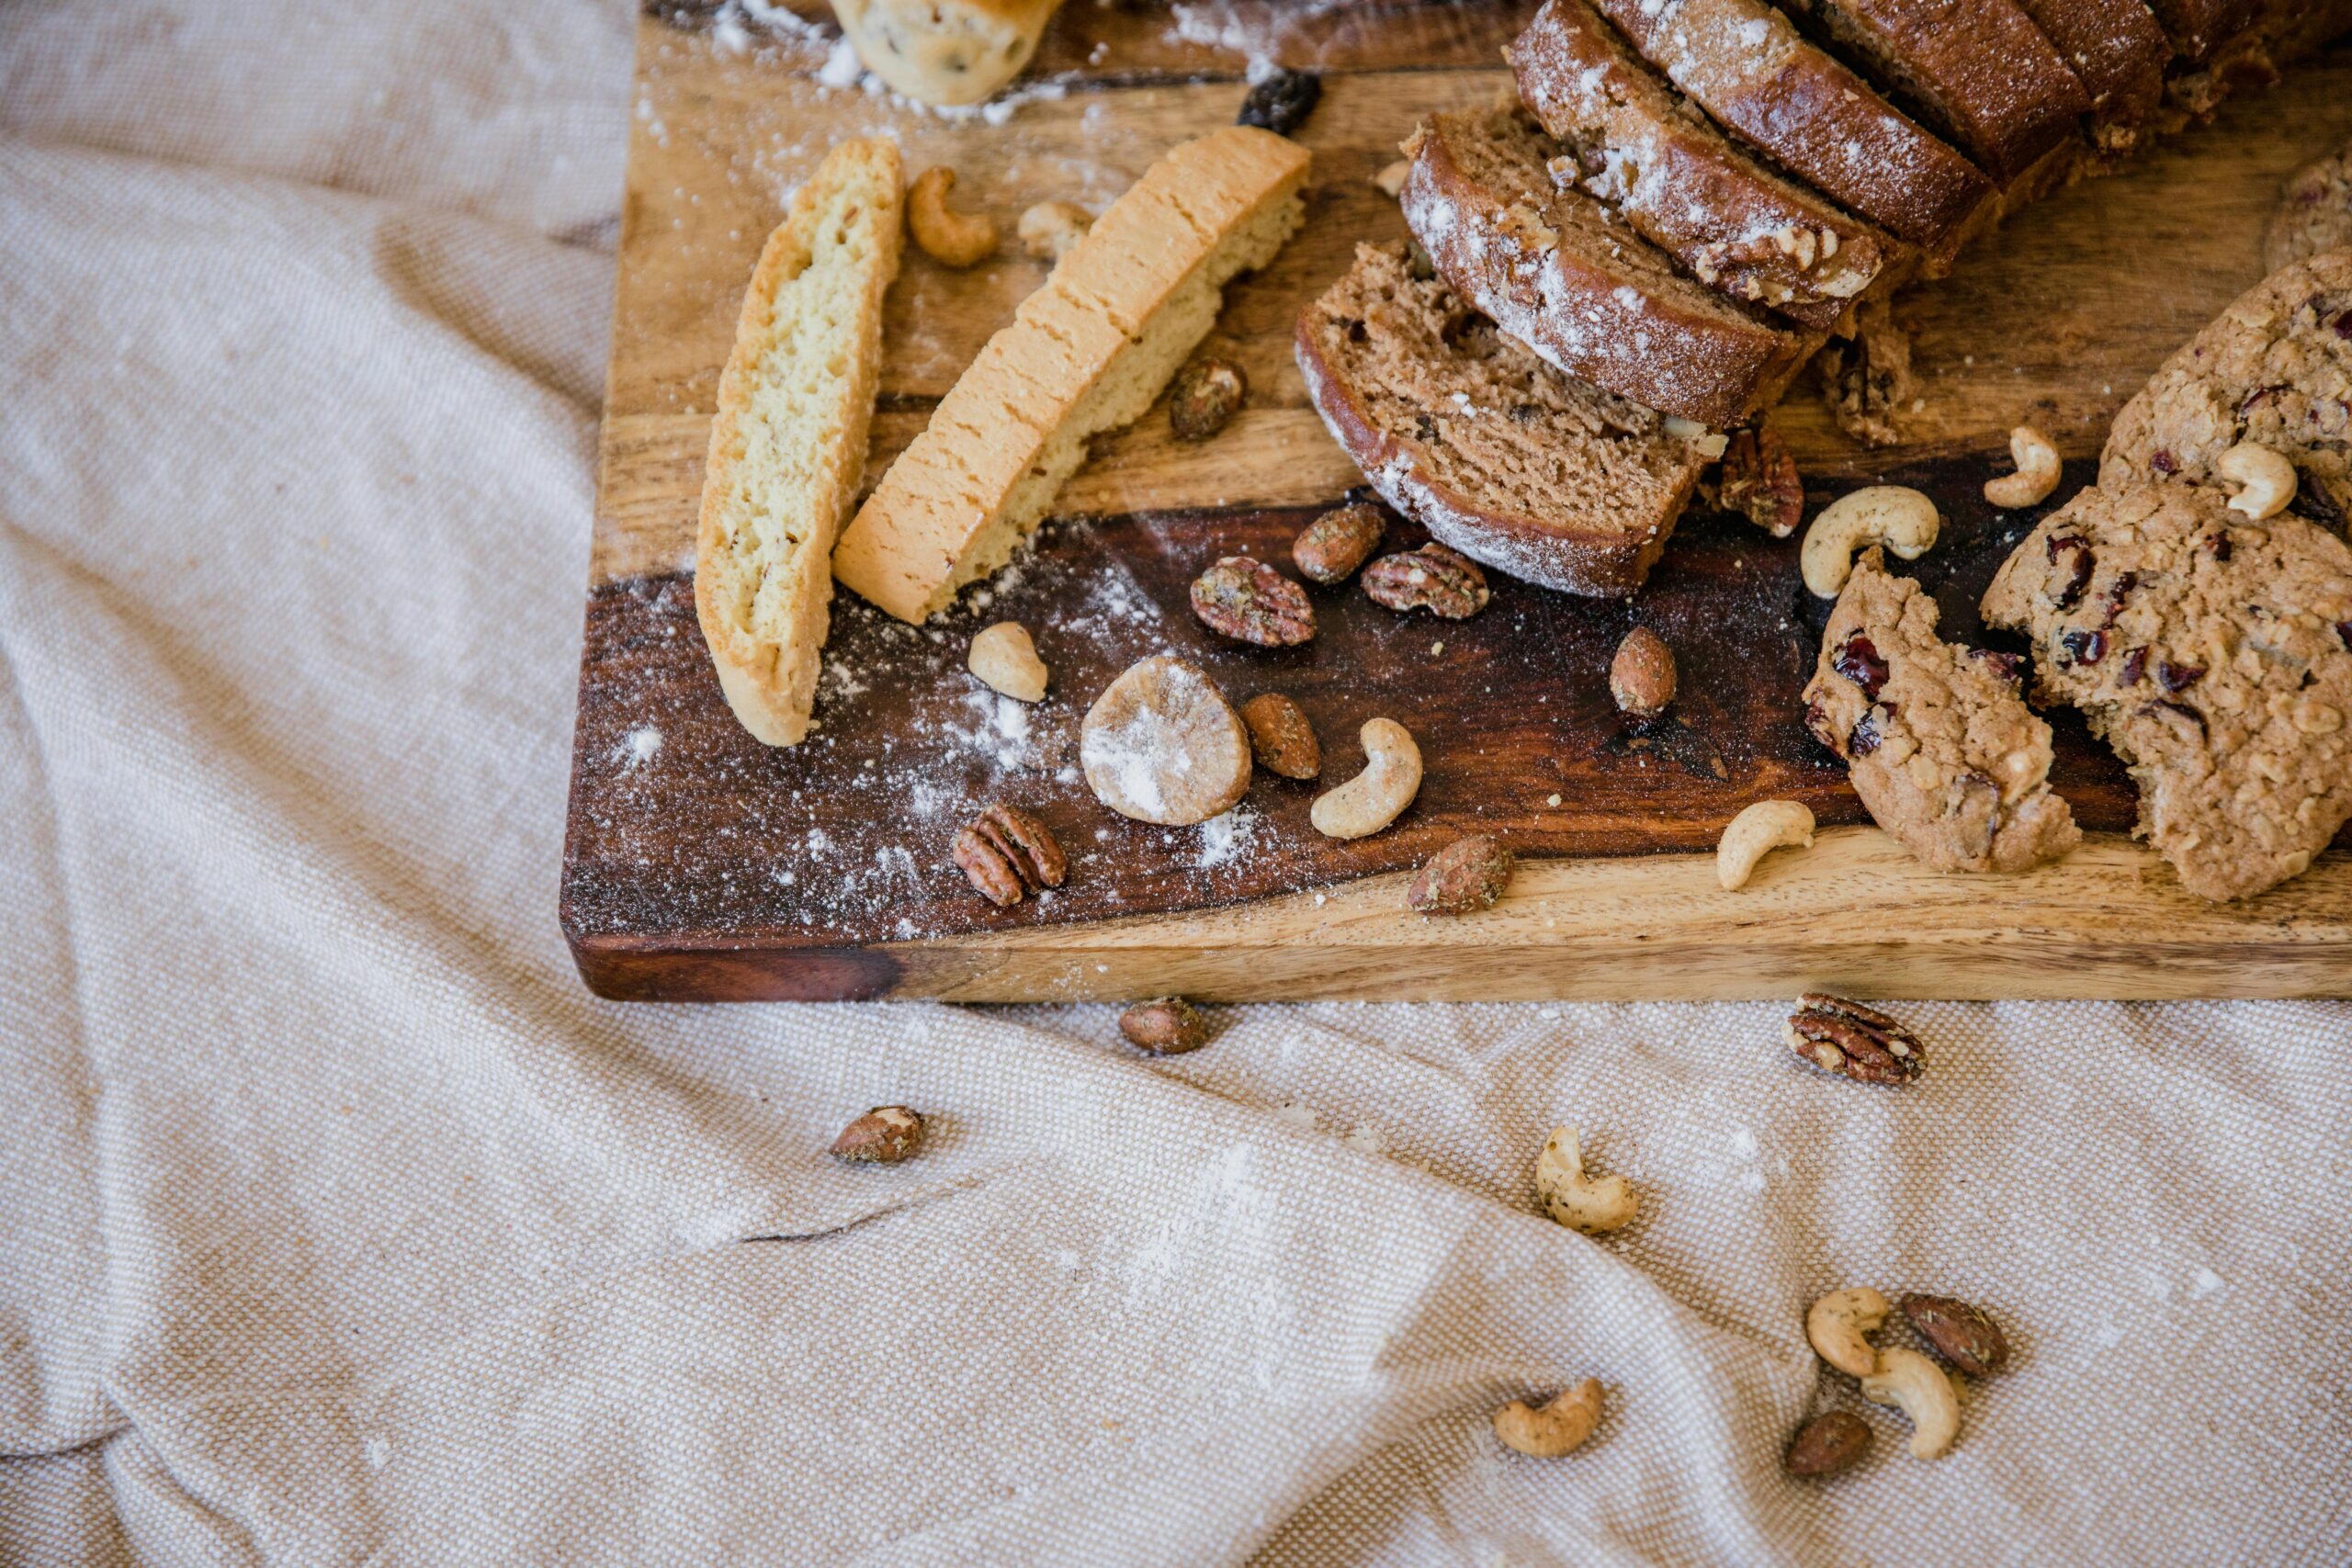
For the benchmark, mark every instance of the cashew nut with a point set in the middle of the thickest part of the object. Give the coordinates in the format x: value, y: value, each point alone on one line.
x: 1839, y: 1325
x: 1004, y: 658
x: 1764, y: 827
x: 1373, y: 798
x: 2037, y: 474
x: 947, y: 236
x: 1572, y: 1199
x: 2265, y: 480
x: 1549, y: 1431
x: 1918, y: 1388
x: 1050, y: 227
x: 1894, y: 515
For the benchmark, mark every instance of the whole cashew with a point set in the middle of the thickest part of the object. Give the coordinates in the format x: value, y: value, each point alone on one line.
x: 1918, y: 1388
x: 947, y: 236
x: 1005, y: 658
x: 1375, y: 797
x: 1764, y: 827
x: 1571, y: 1198
x: 2265, y: 480
x: 1839, y: 1327
x: 1549, y: 1431
x: 1900, y: 518
x: 1050, y: 227
x: 2037, y: 474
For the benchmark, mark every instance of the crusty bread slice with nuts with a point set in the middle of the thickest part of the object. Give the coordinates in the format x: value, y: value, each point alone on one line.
x: 788, y: 447
x: 1087, y: 352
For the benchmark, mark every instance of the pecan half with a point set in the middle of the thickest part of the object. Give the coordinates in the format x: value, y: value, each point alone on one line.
x: 1008, y: 854
x: 1334, y: 545
x: 1251, y: 602
x: 1281, y: 737
x: 1433, y: 578
x: 1852, y: 1041
x: 1760, y: 481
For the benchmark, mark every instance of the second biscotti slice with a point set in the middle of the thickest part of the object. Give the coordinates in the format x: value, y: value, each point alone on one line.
x: 1087, y: 352
x: 787, y: 446
x: 1558, y: 273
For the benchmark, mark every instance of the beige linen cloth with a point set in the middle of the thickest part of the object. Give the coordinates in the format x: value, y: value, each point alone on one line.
x: 338, y: 1224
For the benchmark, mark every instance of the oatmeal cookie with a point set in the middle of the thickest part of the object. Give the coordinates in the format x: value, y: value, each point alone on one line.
x: 1943, y: 749
x: 2274, y: 370
x: 2314, y: 212
x: 2214, y: 654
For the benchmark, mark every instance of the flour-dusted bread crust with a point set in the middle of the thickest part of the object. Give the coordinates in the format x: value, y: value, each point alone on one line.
x: 1982, y: 70
x: 1636, y: 144
x: 2119, y: 54
x: 1745, y: 64
x: 1943, y: 750
x: 2214, y: 654
x: 2274, y: 370
x: 1556, y: 272
x: 1494, y: 451
x: 949, y: 53
x: 787, y: 444
x: 1088, y: 352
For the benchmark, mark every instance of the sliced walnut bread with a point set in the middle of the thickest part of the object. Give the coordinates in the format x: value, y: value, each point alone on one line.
x: 1630, y: 139
x: 1942, y: 748
x: 1088, y: 352
x: 1558, y: 273
x: 1745, y: 64
x: 2214, y: 654
x: 1497, y: 454
x: 1979, y: 70
x: 787, y: 446
x: 2274, y: 370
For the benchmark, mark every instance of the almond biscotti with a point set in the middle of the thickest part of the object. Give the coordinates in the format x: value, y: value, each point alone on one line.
x: 2214, y: 654
x: 787, y: 446
x: 1087, y: 352
x: 1943, y: 750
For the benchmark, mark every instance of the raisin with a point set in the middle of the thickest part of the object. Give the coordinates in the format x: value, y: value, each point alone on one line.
x: 2135, y: 664
x: 2177, y: 677
x: 1816, y: 724
x: 2117, y: 591
x: 2182, y: 709
x: 1866, y: 738
x: 1858, y: 661
x: 2219, y: 546
x: 1282, y: 102
x: 2083, y: 647
x: 2163, y: 463
x: 2008, y: 666
x: 2078, y: 577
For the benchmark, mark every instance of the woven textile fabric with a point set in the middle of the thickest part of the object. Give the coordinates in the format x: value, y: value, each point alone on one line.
x: 338, y: 1224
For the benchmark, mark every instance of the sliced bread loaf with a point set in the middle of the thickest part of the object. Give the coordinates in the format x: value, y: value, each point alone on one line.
x: 1978, y: 70
x: 2197, y: 27
x: 787, y: 446
x: 2118, y: 54
x: 1745, y: 64
x: 1088, y: 352
x: 1633, y: 141
x: 1557, y: 271
x: 1494, y: 451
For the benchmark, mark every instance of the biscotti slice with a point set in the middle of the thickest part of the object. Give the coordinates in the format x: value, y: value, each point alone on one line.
x: 2119, y: 54
x: 1584, y: 291
x: 2274, y: 370
x: 1088, y: 352
x: 1979, y: 70
x: 1632, y: 141
x: 1494, y: 451
x: 787, y: 446
x: 2214, y: 654
x: 945, y: 51
x: 1746, y: 65
x: 1941, y: 746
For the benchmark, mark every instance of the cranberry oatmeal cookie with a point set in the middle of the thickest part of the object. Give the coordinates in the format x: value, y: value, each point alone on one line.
x: 2314, y: 212
x: 2214, y: 654
x: 2275, y: 370
x: 1943, y: 749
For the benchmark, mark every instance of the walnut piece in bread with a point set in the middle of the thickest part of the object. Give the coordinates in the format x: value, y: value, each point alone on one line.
x: 787, y: 446
x: 945, y: 51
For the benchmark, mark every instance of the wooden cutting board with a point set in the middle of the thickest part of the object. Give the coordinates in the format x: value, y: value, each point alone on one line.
x: 700, y: 866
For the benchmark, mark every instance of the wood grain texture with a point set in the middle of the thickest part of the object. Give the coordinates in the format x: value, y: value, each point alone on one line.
x: 700, y: 864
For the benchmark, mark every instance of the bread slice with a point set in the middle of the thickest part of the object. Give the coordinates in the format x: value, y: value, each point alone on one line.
x: 787, y: 446
x: 2197, y: 27
x: 2119, y: 54
x: 1979, y: 70
x: 1742, y: 62
x: 1493, y: 451
x: 1088, y: 352
x: 1632, y: 141
x: 1558, y: 273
